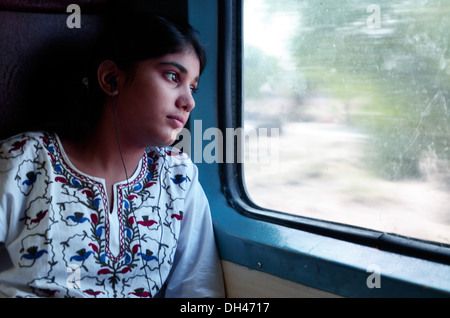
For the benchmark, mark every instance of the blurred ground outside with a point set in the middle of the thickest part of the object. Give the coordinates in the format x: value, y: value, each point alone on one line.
x: 322, y: 173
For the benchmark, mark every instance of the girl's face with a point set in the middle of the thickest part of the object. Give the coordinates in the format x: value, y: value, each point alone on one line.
x: 154, y: 107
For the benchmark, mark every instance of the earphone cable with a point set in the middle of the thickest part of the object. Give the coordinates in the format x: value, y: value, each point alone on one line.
x: 128, y: 184
x: 118, y: 139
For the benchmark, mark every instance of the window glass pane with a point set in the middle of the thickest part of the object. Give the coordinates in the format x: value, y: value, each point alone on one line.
x: 358, y: 98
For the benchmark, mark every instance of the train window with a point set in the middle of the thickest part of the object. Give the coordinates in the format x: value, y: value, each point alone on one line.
x: 349, y: 102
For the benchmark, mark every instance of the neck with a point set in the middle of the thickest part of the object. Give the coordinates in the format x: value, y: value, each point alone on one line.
x: 105, y: 154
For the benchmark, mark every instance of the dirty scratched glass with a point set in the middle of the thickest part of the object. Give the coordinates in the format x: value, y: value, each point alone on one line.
x: 357, y: 98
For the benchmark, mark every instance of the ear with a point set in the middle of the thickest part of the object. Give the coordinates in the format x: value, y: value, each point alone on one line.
x: 108, y: 76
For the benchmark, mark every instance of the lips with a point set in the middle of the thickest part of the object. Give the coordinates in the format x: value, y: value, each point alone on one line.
x: 176, y: 120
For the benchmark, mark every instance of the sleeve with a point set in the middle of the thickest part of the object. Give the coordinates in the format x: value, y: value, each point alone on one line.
x: 3, y: 208
x: 6, y: 186
x: 6, y: 202
x: 197, y: 271
x: 16, y: 153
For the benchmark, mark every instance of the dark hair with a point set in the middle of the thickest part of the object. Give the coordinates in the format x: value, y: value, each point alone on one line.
x: 129, y: 39
x: 71, y: 104
x: 136, y: 37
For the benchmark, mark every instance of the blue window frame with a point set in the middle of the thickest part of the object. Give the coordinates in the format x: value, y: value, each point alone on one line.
x: 330, y: 256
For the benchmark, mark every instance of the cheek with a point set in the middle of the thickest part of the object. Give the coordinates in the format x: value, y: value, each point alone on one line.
x: 137, y: 100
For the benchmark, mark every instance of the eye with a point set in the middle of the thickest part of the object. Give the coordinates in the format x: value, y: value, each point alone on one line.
x: 194, y: 90
x: 172, y: 76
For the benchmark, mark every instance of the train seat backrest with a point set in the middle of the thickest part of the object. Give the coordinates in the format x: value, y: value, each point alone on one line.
x: 42, y: 41
x: 29, y: 32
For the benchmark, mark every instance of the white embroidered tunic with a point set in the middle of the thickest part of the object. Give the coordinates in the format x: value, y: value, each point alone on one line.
x: 60, y: 238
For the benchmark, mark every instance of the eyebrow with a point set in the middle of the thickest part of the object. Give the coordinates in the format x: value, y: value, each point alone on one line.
x: 180, y: 67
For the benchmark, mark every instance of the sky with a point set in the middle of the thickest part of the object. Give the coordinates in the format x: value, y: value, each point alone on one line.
x: 270, y: 33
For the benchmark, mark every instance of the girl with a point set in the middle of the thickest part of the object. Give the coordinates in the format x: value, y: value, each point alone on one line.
x: 111, y: 210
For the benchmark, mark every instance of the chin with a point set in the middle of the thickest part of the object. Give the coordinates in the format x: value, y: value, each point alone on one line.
x: 163, y: 140
x: 166, y: 143
x: 174, y: 136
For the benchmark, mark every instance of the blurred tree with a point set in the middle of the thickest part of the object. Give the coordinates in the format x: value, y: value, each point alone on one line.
x: 398, y: 69
x: 260, y: 70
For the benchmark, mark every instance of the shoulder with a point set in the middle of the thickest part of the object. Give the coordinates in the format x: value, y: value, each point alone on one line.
x: 170, y: 156
x: 21, y: 146
x: 174, y: 165
x: 23, y: 161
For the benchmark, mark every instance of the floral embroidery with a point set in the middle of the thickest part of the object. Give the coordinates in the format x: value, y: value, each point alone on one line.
x: 67, y: 222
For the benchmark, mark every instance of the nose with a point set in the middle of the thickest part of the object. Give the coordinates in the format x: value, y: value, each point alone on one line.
x: 186, y: 101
